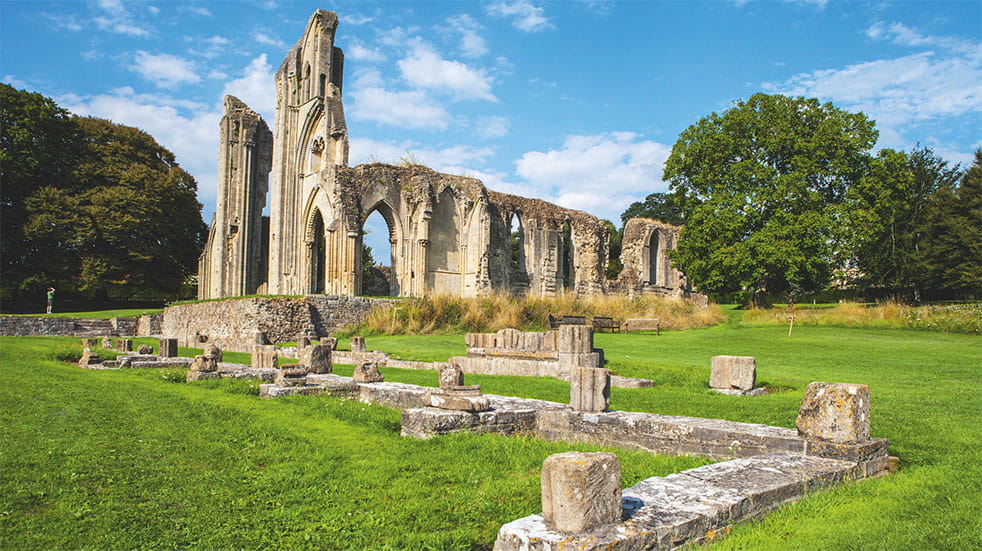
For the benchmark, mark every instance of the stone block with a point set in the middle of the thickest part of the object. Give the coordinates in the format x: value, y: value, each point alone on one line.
x: 213, y: 351
x: 291, y: 375
x: 107, y: 343
x: 836, y: 412
x: 589, y: 389
x: 259, y: 338
x: 358, y: 344
x: 733, y: 372
x: 88, y: 357
x: 124, y: 345
x: 264, y: 356
x: 368, y: 372
x: 144, y: 349
x: 303, y: 341
x: 317, y: 358
x: 90, y: 343
x: 575, y: 339
x: 459, y: 401
x: 592, y: 359
x: 168, y: 348
x: 202, y: 375
x: 330, y: 341
x: 204, y: 364
x: 451, y: 376
x: 581, y: 491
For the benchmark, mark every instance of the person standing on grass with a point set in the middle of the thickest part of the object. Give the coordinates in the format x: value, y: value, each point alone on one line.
x: 51, y: 299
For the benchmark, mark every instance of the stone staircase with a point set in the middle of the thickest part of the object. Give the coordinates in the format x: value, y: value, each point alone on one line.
x: 90, y: 328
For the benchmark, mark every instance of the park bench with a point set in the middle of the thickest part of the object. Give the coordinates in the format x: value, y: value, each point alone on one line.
x: 603, y: 323
x: 642, y: 324
x: 555, y: 322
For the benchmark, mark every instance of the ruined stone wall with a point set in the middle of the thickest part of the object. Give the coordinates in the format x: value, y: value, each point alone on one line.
x: 232, y: 324
x: 30, y: 326
x: 644, y: 254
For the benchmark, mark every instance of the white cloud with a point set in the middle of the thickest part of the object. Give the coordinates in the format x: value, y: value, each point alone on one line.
x: 199, y: 10
x: 117, y: 19
x: 263, y: 36
x: 256, y: 88
x: 492, y: 127
x: 154, y: 10
x: 355, y: 19
x: 423, y: 68
x: 601, y: 174
x: 217, y: 75
x: 164, y: 70
x: 360, y: 52
x: 471, y: 43
x: 524, y: 16
x: 937, y: 86
x: 406, y: 109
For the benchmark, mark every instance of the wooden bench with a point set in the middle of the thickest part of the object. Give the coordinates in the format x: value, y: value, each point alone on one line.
x: 642, y: 324
x: 603, y: 323
x: 555, y: 322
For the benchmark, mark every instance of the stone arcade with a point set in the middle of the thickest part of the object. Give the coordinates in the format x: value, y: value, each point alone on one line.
x: 449, y: 234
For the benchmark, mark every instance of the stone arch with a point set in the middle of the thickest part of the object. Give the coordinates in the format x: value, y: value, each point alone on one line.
x: 567, y: 267
x: 443, y: 258
x: 652, y: 259
x: 316, y: 242
x: 517, y: 255
x: 385, y: 210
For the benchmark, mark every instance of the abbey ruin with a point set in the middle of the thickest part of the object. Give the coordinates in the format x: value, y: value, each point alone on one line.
x: 449, y: 234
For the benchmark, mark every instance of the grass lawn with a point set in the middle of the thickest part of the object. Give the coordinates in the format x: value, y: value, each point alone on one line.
x: 124, y: 459
x: 101, y: 314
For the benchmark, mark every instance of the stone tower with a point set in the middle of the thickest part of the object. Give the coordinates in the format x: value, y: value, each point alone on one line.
x: 234, y: 262
x: 311, y: 143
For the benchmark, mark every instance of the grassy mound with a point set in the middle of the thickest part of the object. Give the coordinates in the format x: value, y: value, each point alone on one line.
x: 951, y: 318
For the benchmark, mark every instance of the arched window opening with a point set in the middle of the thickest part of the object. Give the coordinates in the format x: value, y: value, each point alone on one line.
x: 653, y: 259
x: 318, y: 252
x: 567, y: 256
x: 377, y: 259
x: 306, y: 82
x: 516, y: 256
x: 443, y: 252
x: 322, y: 85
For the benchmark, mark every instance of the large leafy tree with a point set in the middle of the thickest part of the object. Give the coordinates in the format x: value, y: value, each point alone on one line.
x: 763, y: 181
x: 119, y: 218
x: 886, y: 217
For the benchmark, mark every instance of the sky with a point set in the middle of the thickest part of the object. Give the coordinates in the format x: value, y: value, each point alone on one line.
x: 574, y: 102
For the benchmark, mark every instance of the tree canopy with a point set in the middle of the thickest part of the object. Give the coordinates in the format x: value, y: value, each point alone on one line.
x: 91, y: 207
x: 762, y: 183
x: 664, y: 207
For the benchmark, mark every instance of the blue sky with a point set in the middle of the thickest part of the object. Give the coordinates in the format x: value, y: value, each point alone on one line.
x: 574, y: 102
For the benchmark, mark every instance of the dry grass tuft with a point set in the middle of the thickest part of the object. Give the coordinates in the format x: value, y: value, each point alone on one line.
x: 449, y: 314
x: 955, y: 318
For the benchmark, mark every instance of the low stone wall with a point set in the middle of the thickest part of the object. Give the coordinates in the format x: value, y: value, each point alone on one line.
x: 232, y: 323
x: 30, y: 326
x: 148, y: 325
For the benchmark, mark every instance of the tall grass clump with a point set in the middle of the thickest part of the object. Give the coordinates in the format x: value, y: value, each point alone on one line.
x: 949, y: 318
x: 450, y: 314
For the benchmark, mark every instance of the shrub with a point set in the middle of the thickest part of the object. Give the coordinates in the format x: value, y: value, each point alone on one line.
x: 174, y: 375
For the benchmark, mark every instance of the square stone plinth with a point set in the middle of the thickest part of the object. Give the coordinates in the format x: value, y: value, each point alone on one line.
x: 265, y: 356
x: 836, y: 412
x: 581, y: 491
x: 168, y: 348
x: 589, y: 389
x: 317, y: 358
x: 733, y: 372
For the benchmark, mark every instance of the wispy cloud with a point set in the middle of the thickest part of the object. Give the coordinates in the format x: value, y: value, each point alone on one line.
x: 404, y: 109
x: 424, y: 68
x: 198, y: 10
x: 264, y: 36
x: 360, y: 52
x: 472, y: 44
x: 164, y: 70
x: 524, y: 16
x: 115, y: 18
x: 931, y: 85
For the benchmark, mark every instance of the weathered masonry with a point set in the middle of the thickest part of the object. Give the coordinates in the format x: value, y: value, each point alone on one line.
x: 449, y: 234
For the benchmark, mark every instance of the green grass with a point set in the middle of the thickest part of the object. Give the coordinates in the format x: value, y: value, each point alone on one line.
x: 124, y: 459
x: 100, y: 314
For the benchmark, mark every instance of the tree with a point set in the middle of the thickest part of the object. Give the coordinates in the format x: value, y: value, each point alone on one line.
x: 885, y: 220
x: 100, y: 209
x: 38, y: 142
x: 951, y: 253
x: 614, y: 247
x: 762, y: 183
x: 665, y: 207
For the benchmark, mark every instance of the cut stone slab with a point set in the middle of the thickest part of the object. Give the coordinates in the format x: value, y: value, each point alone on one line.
x: 836, y: 412
x: 368, y: 372
x: 202, y: 375
x: 581, y: 491
x: 687, y: 507
x: 733, y: 373
x: 168, y: 348
x: 265, y: 356
x: 204, y: 364
x: 589, y: 388
x: 459, y: 401
x: 124, y: 345
x: 317, y: 358
x: 451, y: 376
x: 212, y: 351
x: 358, y: 344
